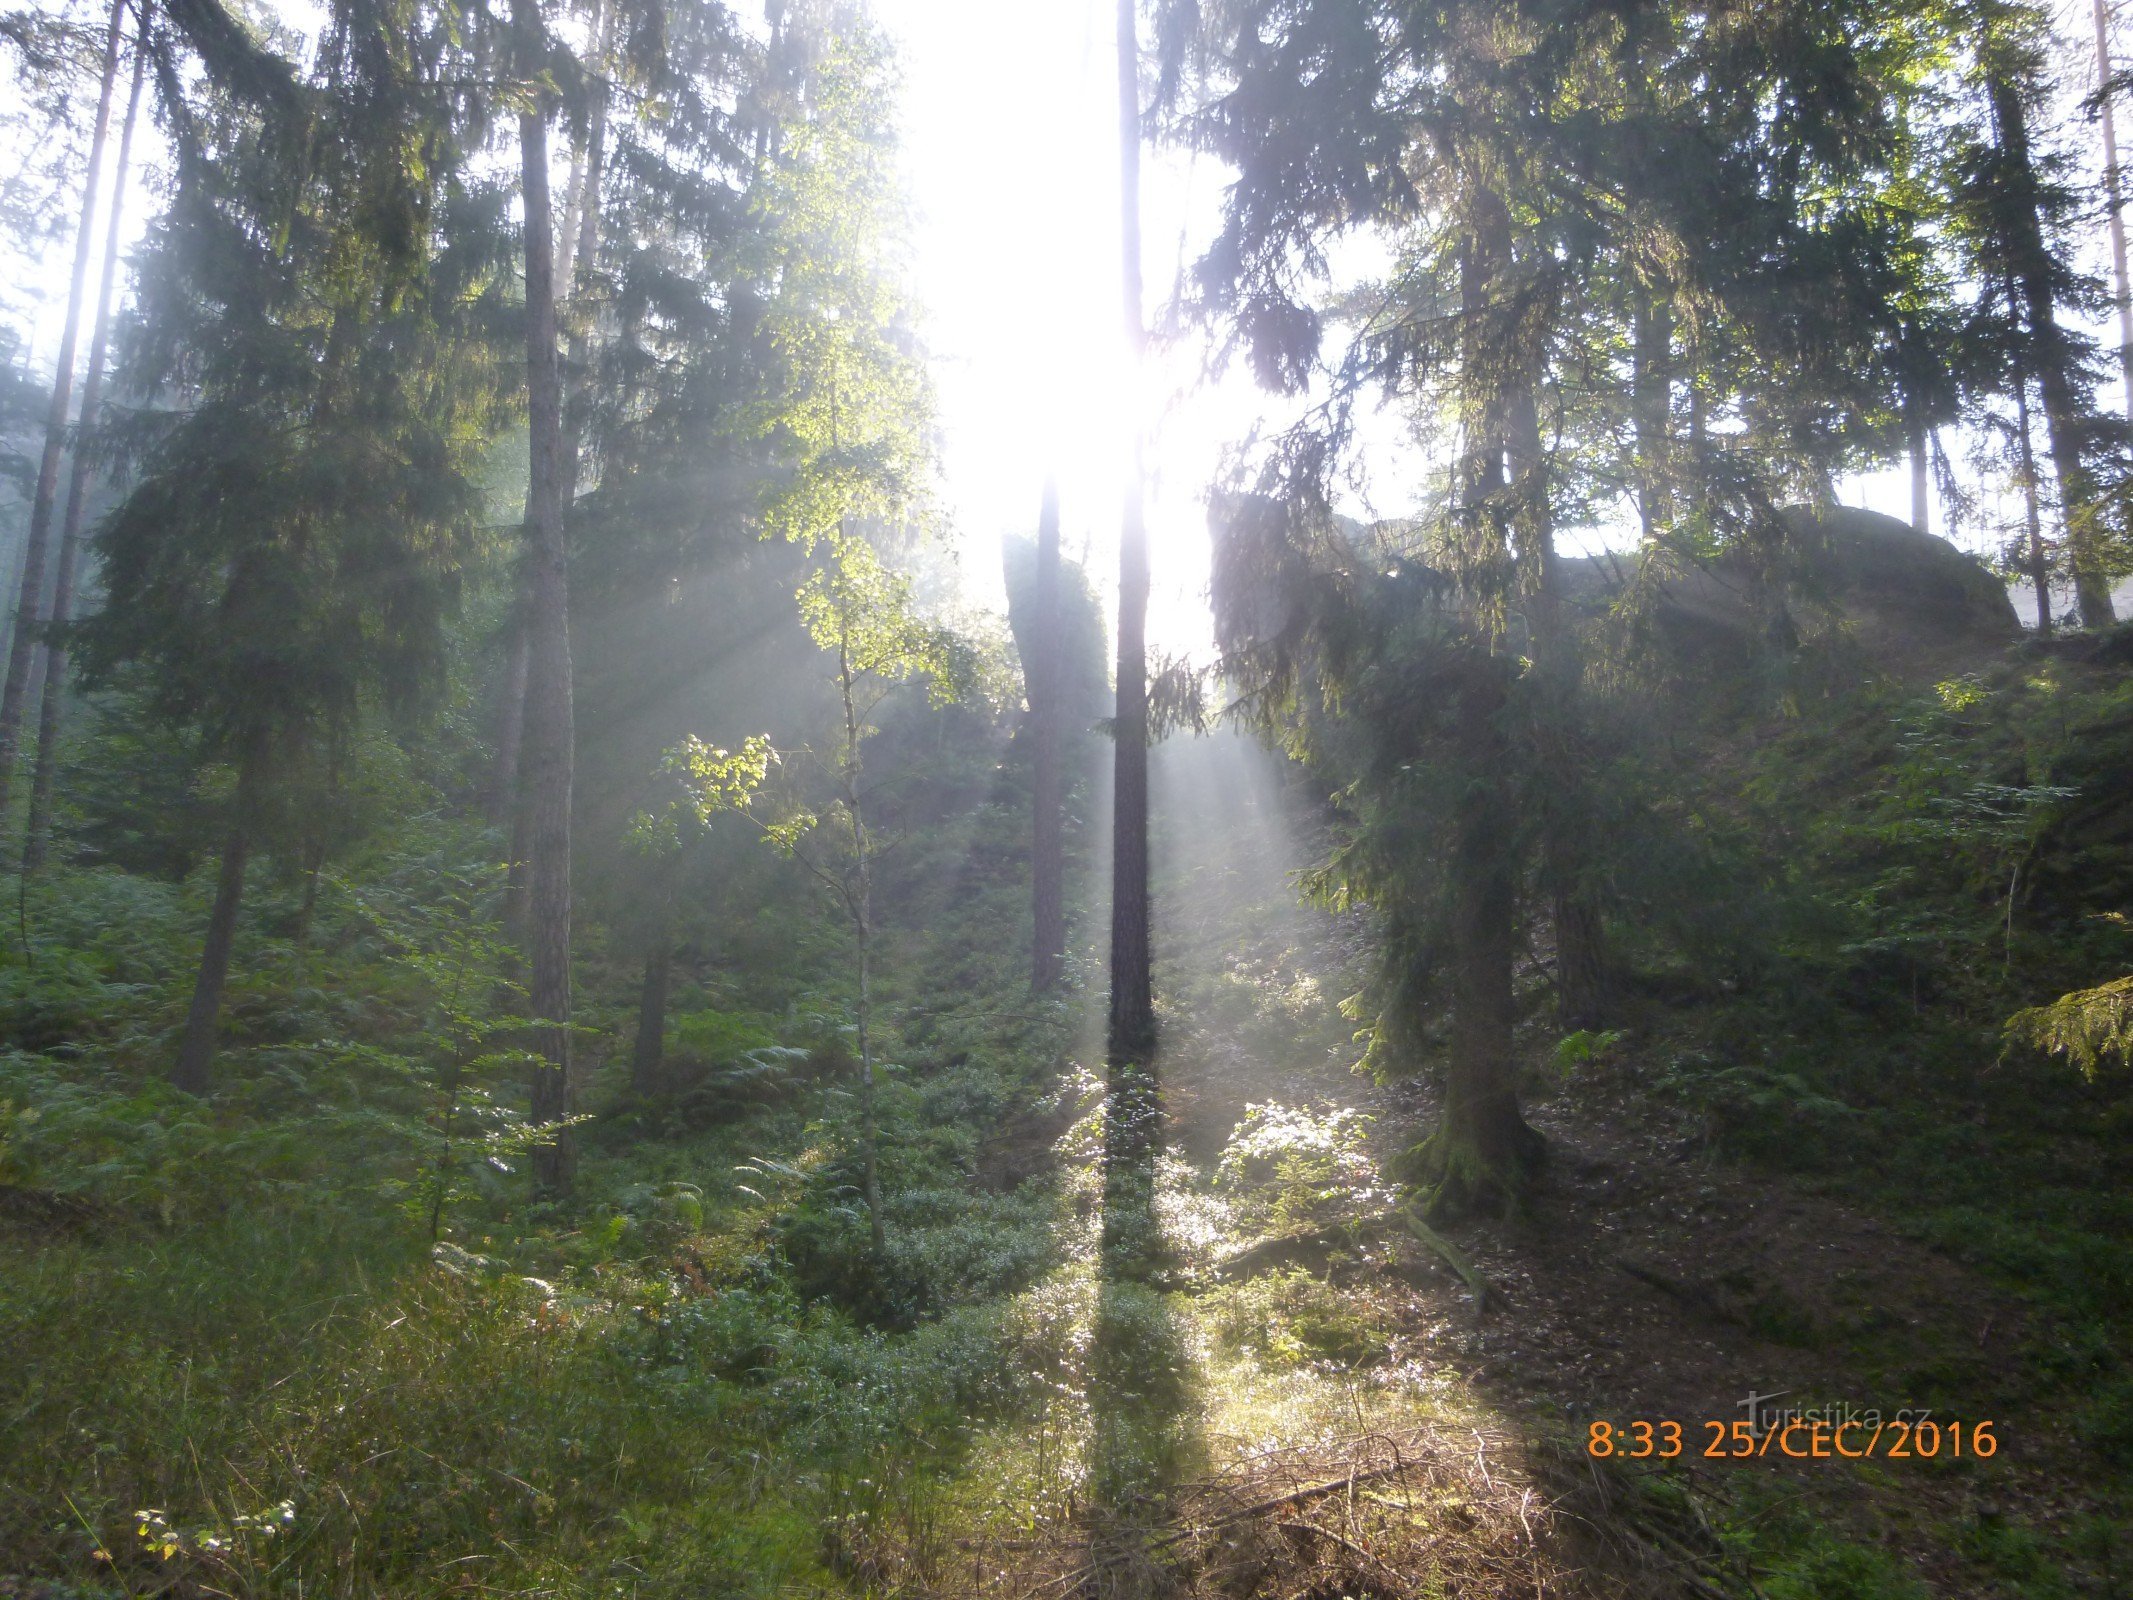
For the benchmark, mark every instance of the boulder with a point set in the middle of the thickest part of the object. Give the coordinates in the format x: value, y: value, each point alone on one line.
x: 1859, y: 584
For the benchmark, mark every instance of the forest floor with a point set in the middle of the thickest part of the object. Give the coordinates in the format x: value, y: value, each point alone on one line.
x: 234, y: 1361
x: 1338, y: 1420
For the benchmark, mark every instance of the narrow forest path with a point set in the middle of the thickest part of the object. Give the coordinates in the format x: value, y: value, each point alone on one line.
x: 1301, y: 1401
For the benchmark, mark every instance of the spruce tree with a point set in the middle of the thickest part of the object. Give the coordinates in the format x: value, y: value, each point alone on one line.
x: 287, y: 557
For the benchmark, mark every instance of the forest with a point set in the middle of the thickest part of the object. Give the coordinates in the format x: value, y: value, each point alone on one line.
x: 646, y: 951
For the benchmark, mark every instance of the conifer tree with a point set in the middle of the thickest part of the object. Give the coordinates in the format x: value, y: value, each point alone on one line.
x: 289, y: 553
x: 2009, y: 216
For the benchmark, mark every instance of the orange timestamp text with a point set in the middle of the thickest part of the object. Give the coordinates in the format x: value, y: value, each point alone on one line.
x: 1795, y: 1439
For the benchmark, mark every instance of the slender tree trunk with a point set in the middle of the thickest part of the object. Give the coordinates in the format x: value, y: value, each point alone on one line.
x: 1915, y: 435
x: 1582, y: 998
x: 307, y: 909
x: 1130, y: 1036
x: 21, y: 646
x: 1921, y: 482
x: 1652, y: 356
x: 546, y: 777
x: 581, y: 222
x: 581, y: 234
x: 1699, y: 438
x: 587, y: 246
x: 14, y: 584
x: 2053, y: 360
x: 2114, y: 193
x: 196, y: 1050
x: 862, y: 905
x: 2040, y: 569
x: 648, y: 1058
x: 51, y: 708
x: 1046, y: 696
x: 511, y: 727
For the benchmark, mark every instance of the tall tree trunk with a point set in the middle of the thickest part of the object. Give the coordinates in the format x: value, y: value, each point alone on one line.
x: 862, y: 908
x: 511, y: 726
x: 2052, y: 358
x: 2114, y: 194
x: 2040, y: 568
x: 546, y: 775
x: 1651, y: 397
x: 581, y: 235
x: 196, y: 1050
x: 21, y: 645
x: 52, y: 701
x: 1921, y: 481
x: 1581, y: 979
x: 648, y: 1056
x: 1482, y: 1151
x: 1130, y: 1036
x: 1915, y: 432
x: 583, y: 195
x: 587, y: 247
x: 1043, y: 679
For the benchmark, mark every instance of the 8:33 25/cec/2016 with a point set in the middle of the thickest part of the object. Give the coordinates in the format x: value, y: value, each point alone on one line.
x: 1795, y: 1440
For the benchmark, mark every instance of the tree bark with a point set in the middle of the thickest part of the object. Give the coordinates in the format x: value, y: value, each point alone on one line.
x: 546, y: 775
x: 196, y: 1050
x: 2053, y: 362
x: 51, y: 708
x: 1915, y: 435
x: 1047, y: 711
x: 1483, y: 1150
x: 1652, y: 341
x: 1921, y: 482
x: 2040, y: 568
x: 1581, y: 971
x: 585, y: 249
x: 581, y: 235
x: 862, y: 908
x: 21, y: 645
x: 2114, y: 193
x: 1130, y: 1033
x: 648, y: 1057
x: 511, y: 725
